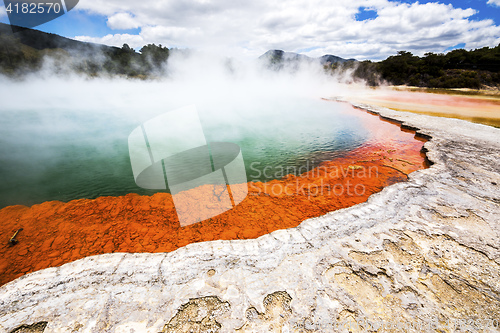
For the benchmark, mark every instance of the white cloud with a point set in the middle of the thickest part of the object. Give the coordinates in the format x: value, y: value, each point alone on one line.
x: 122, y: 21
x: 3, y: 13
x: 236, y: 27
x: 134, y: 41
x: 494, y: 2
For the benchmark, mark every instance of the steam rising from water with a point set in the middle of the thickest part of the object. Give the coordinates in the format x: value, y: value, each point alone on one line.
x: 52, y: 125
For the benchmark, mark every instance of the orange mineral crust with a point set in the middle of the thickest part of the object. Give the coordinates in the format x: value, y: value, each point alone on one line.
x: 55, y: 233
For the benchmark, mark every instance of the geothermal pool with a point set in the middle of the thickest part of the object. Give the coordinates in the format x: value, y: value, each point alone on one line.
x: 51, y: 154
x: 75, y: 170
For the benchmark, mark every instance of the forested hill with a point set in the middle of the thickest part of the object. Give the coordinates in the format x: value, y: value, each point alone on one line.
x: 41, y: 40
x: 27, y: 51
x: 456, y: 69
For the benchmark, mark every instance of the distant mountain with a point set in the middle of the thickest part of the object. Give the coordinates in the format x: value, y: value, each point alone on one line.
x: 278, y: 59
x: 280, y: 55
x: 328, y: 58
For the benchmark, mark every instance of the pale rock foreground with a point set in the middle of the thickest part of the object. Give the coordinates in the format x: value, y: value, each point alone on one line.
x: 421, y: 256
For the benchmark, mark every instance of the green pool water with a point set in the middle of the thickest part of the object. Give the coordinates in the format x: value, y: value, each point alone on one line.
x: 56, y: 154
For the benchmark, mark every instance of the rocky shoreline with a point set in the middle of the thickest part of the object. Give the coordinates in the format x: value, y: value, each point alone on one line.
x: 420, y: 255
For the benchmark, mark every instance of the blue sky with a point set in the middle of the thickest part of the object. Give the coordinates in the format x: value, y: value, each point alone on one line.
x: 362, y: 29
x: 484, y: 10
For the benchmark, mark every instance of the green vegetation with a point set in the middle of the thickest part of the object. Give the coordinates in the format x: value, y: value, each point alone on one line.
x: 28, y: 50
x: 457, y: 69
x: 17, y: 59
x: 127, y: 62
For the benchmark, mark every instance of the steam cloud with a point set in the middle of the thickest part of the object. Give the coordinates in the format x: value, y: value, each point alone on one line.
x: 55, y: 113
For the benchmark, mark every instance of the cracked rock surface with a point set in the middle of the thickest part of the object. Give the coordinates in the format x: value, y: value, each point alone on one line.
x: 423, y: 255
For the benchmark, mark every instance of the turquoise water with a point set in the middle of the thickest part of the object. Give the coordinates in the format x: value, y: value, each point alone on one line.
x: 49, y: 154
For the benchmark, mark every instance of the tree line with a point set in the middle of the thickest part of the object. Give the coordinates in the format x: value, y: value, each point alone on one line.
x: 456, y: 69
x: 18, y: 59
